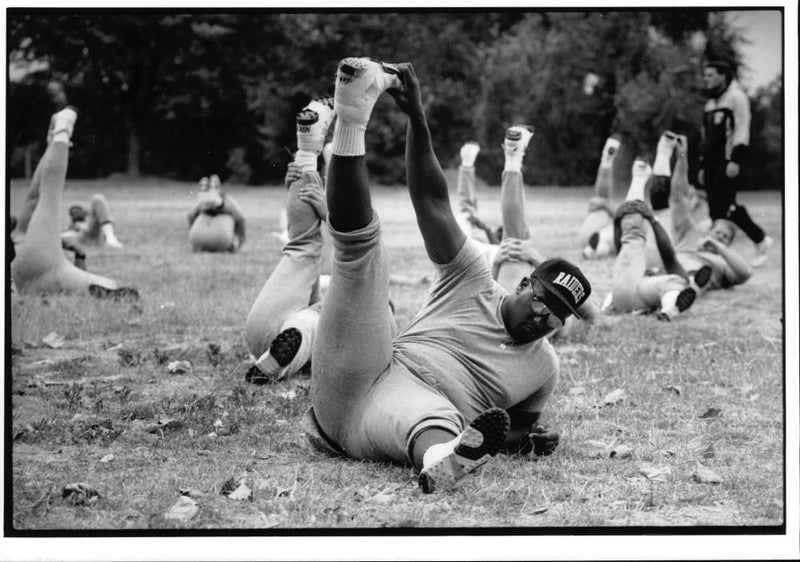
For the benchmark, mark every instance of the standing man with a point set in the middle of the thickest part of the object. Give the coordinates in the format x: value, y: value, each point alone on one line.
x: 726, y: 136
x: 470, y: 375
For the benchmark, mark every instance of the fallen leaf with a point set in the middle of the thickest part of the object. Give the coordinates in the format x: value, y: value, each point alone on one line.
x: 218, y: 423
x: 108, y: 458
x: 179, y: 367
x: 288, y: 395
x: 621, y: 452
x: 655, y: 473
x: 673, y: 388
x: 614, y: 397
x: 241, y: 493
x: 80, y: 493
x: 53, y: 340
x: 705, y: 475
x: 183, y: 510
x: 709, y: 452
x: 538, y: 510
x: 712, y: 413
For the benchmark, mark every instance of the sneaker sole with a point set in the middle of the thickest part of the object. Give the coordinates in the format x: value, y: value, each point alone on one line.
x: 482, y: 439
x: 703, y: 276
x: 685, y: 299
x: 307, y: 118
x: 122, y: 293
x: 285, y: 346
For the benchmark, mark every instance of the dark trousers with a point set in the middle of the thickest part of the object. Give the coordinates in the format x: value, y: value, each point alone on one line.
x: 721, y: 192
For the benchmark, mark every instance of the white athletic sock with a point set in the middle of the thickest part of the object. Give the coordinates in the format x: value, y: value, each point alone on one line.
x: 641, y: 173
x: 305, y: 160
x: 513, y: 162
x: 664, y: 150
x: 108, y: 234
x: 348, y: 139
x: 468, y: 154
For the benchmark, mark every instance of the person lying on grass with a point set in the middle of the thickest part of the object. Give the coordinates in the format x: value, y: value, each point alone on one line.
x: 470, y: 375
x: 40, y: 265
x: 216, y: 223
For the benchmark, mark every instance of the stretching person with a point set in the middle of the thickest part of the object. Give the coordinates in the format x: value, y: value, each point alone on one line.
x: 597, y: 234
x: 40, y: 264
x: 632, y: 289
x: 436, y: 395
x: 281, y: 326
x: 705, y: 255
x: 601, y: 242
x: 216, y: 223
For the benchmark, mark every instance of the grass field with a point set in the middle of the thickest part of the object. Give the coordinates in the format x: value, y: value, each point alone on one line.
x: 703, y: 391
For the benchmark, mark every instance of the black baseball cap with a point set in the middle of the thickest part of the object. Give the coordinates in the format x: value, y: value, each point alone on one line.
x: 565, y: 285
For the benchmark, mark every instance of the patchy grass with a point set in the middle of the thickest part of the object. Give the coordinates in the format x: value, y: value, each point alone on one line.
x: 107, y: 391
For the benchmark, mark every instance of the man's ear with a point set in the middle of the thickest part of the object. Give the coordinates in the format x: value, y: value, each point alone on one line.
x: 522, y: 285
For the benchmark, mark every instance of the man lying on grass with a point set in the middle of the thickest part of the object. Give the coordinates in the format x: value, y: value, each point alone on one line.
x: 470, y: 375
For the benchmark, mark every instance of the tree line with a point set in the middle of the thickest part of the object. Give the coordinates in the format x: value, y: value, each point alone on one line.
x: 184, y: 94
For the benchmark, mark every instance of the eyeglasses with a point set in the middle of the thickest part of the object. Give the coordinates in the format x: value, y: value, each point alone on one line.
x: 540, y: 308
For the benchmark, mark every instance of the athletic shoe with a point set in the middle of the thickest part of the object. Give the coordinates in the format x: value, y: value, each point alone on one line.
x: 446, y: 464
x: 62, y: 121
x: 313, y: 123
x: 118, y: 294
x: 762, y: 248
x: 282, y: 349
x: 517, y: 139
x: 701, y: 278
x: 666, y: 144
x: 359, y: 83
x: 257, y: 376
x: 468, y: 153
x: 610, y: 150
x: 685, y: 299
x: 641, y: 169
x: 590, y: 250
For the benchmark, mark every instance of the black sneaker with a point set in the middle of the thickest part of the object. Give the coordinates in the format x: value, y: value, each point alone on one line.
x: 482, y: 439
x: 685, y: 299
x: 285, y: 345
x: 118, y: 294
x: 257, y: 376
x: 702, y: 276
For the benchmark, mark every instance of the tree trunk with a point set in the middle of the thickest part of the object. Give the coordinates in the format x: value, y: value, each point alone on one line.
x: 29, y: 160
x: 134, y: 150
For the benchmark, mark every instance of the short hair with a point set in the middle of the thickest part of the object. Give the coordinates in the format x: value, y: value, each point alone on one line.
x: 76, y: 212
x: 727, y: 225
x: 723, y: 67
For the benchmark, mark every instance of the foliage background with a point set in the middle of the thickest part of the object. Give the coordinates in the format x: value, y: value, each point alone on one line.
x: 179, y: 95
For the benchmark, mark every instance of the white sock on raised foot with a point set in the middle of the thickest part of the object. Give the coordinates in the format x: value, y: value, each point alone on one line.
x: 109, y: 237
x: 305, y: 160
x: 641, y: 172
x: 664, y: 150
x: 469, y: 152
